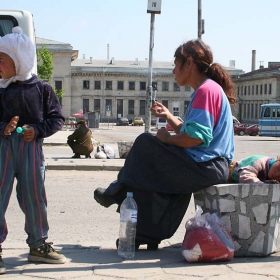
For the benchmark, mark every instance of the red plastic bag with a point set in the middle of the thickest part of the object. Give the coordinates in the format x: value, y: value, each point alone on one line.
x: 207, y: 239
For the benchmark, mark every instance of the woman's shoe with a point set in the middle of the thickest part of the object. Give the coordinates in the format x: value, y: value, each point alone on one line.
x: 88, y: 156
x: 103, y: 199
x: 76, y: 156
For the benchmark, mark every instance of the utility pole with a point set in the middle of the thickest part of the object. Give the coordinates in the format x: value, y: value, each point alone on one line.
x: 200, y: 23
x: 154, y: 7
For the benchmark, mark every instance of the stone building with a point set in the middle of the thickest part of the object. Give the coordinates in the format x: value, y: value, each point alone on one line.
x: 114, y: 88
x: 254, y: 89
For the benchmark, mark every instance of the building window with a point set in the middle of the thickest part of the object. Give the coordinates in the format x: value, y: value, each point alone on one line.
x: 108, y: 105
x: 154, y: 85
x: 142, y: 107
x: 142, y: 85
x: 108, y: 85
x: 257, y: 89
x: 120, y: 85
x: 249, y: 89
x: 265, y: 88
x: 176, y: 111
x: 187, y: 88
x: 131, y: 107
x: 131, y: 85
x: 165, y: 86
x: 245, y: 89
x: 85, y: 105
x: 253, y: 90
x: 261, y: 86
x: 176, y: 87
x: 269, y: 89
x: 58, y: 85
x: 165, y: 103
x: 96, y: 105
x: 97, y: 84
x: 252, y: 111
x: 244, y: 110
x: 86, y: 84
x: 119, y: 108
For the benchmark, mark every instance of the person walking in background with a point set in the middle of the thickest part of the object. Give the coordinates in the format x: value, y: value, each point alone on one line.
x: 80, y: 140
x: 164, y: 170
x: 27, y: 102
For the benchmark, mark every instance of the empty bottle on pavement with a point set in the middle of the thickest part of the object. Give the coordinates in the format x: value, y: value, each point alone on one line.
x: 128, y: 222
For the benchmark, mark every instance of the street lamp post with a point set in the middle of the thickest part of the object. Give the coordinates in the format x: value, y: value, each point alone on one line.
x: 103, y: 94
x: 154, y: 7
x: 200, y: 26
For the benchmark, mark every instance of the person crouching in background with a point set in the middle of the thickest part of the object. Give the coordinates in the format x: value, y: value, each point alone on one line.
x: 80, y: 140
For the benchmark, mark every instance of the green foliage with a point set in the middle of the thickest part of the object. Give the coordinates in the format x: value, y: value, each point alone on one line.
x: 45, y: 64
x: 45, y: 68
x: 59, y: 93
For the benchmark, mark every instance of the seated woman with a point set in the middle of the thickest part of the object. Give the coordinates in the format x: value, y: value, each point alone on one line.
x: 164, y: 170
x: 80, y: 140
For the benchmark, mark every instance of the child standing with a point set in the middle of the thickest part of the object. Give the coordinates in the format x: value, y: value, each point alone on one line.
x: 27, y: 102
x: 255, y: 169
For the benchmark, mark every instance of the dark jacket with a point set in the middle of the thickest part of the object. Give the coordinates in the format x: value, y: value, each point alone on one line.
x: 36, y: 104
x: 82, y: 137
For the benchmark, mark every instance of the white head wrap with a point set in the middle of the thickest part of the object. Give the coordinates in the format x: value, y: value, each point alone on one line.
x: 21, y: 49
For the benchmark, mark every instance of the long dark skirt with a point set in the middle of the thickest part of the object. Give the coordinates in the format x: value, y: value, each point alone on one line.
x: 162, y: 179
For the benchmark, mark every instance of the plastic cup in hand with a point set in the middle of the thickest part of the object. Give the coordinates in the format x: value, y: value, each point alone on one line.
x: 20, y: 129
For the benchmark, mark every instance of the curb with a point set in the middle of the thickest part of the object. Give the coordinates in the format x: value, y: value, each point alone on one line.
x: 83, y: 167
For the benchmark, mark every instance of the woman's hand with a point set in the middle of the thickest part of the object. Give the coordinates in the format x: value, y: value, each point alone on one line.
x: 160, y: 110
x: 11, y: 126
x: 163, y: 135
x: 29, y: 133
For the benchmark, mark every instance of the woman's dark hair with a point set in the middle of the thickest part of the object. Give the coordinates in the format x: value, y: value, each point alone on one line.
x: 203, y: 58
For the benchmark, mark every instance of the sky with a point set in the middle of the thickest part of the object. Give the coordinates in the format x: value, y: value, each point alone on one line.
x: 233, y: 28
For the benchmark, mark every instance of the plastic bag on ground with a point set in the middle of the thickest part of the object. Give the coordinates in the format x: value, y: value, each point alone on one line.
x: 100, y: 154
x: 207, y: 239
x: 109, y: 151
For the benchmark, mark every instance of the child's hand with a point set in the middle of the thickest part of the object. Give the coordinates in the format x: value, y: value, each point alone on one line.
x: 28, y: 134
x: 11, y: 126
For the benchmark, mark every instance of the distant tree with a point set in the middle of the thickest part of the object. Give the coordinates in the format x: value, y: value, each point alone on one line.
x: 45, y: 68
x: 45, y: 64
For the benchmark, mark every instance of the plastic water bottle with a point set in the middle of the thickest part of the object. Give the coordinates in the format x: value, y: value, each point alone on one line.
x: 128, y: 221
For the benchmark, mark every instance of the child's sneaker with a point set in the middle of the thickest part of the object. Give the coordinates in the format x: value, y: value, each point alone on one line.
x: 45, y: 253
x: 2, y: 266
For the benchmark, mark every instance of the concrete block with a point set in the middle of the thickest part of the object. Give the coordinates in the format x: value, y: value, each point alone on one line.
x: 250, y: 213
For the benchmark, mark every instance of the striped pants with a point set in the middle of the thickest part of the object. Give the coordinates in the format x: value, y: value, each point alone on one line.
x: 25, y: 162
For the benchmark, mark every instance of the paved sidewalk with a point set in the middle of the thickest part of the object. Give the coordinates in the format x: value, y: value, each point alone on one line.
x: 86, y: 232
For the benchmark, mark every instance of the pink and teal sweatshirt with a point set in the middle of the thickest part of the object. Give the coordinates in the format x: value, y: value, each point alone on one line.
x: 208, y: 117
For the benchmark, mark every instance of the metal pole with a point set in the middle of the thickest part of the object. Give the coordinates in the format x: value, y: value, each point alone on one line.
x: 199, y: 29
x: 149, y: 88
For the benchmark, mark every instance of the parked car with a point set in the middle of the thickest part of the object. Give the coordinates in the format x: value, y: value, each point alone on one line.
x: 138, y: 121
x: 252, y: 130
x: 163, y: 122
x: 240, y: 129
x: 169, y: 127
x: 123, y: 122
